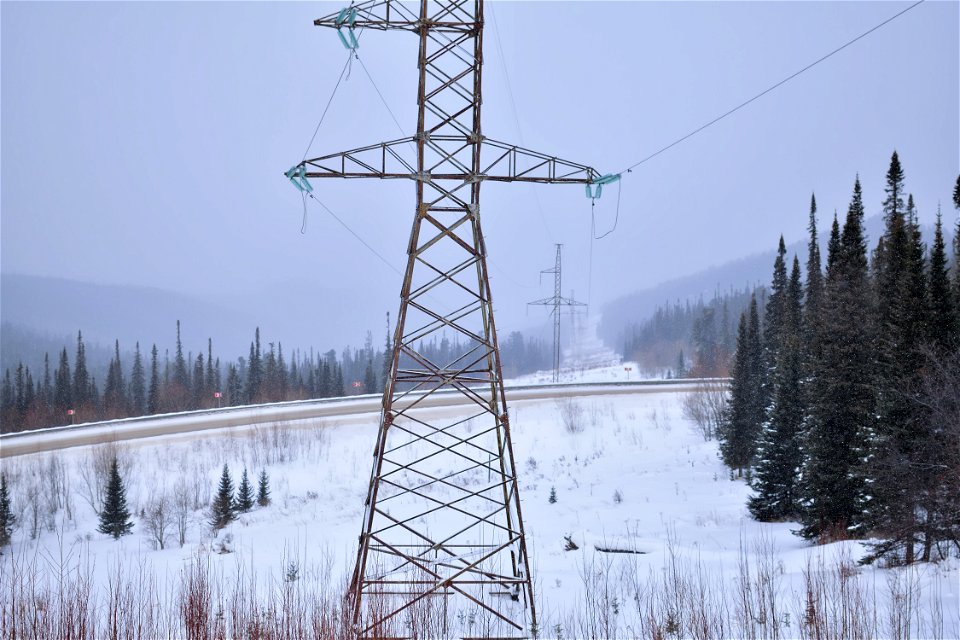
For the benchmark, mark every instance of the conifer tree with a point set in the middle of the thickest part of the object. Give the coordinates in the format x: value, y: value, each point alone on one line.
x: 138, y: 397
x: 115, y: 518
x: 181, y: 376
x: 743, y: 417
x: 779, y: 455
x: 893, y: 203
x: 47, y: 393
x: 944, y: 320
x: 282, y: 382
x: 198, y: 393
x: 841, y: 415
x: 263, y: 489
x: 814, y: 284
x: 21, y: 394
x: 7, y: 518
x: 8, y: 402
x: 254, y: 370
x: 901, y: 314
x: 114, y: 398
x: 244, y: 501
x: 956, y: 247
x: 369, y: 378
x: 773, y: 326
x: 153, y: 395
x: 387, y: 357
x: 62, y: 387
x: 234, y: 386
x: 211, y: 382
x: 81, y: 377
x: 222, y: 510
x: 271, y: 378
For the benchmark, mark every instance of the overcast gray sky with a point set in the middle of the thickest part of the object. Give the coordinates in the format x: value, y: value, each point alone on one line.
x: 144, y: 143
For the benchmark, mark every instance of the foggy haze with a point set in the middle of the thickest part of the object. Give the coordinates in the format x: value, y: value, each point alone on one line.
x: 145, y: 143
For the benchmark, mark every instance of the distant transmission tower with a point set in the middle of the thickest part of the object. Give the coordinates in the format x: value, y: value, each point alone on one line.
x: 442, y: 536
x: 557, y: 301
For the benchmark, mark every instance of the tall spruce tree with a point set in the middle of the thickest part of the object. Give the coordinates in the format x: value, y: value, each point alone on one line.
x: 222, y: 510
x: 115, y: 518
x: 841, y: 415
x: 814, y: 284
x: 387, y: 357
x: 744, y: 415
x: 181, y: 376
x: 778, y: 454
x: 234, y: 386
x: 254, y: 370
x: 774, y: 320
x: 62, y: 387
x: 114, y: 392
x: 369, y: 378
x: 47, y: 393
x: 244, y: 501
x: 198, y: 393
x: 956, y: 247
x: 138, y: 388
x: 901, y: 316
x: 263, y: 489
x: 81, y: 377
x: 211, y: 378
x: 153, y: 394
x: 944, y: 321
x: 7, y: 517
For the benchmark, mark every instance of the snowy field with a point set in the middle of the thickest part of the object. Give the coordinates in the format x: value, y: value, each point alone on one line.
x: 629, y: 472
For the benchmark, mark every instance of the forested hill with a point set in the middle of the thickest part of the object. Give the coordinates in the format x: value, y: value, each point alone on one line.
x: 297, y: 313
x: 621, y: 314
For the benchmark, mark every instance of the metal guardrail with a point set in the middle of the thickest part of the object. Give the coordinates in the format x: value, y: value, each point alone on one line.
x: 52, y: 438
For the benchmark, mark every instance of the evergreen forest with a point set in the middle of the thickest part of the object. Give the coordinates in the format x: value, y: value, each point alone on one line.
x: 844, y: 404
x: 149, y: 382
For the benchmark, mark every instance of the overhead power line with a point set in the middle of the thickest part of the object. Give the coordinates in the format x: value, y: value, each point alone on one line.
x: 772, y: 87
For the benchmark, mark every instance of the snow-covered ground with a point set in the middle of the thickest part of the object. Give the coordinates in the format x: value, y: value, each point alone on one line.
x: 631, y: 475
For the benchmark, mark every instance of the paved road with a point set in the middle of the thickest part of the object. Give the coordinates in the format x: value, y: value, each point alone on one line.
x: 14, y: 444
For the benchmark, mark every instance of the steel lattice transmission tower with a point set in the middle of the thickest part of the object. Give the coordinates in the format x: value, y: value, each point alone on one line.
x: 442, y: 536
x: 556, y: 301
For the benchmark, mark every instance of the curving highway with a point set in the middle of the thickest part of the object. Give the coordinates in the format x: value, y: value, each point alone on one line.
x: 54, y: 438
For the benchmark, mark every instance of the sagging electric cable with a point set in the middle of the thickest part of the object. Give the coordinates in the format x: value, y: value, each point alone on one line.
x: 323, y: 115
x: 353, y: 233
x: 772, y: 87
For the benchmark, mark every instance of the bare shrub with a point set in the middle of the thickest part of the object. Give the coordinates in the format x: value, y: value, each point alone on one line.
x: 704, y: 406
x: 571, y: 414
x: 182, y: 508
x: 158, y: 517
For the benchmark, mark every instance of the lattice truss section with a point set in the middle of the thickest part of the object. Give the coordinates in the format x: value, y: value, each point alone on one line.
x: 442, y: 543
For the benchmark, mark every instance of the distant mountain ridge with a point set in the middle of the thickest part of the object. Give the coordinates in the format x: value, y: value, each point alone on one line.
x: 48, y: 308
x: 756, y: 269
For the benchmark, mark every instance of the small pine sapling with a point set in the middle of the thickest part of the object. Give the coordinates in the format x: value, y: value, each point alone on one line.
x: 7, y: 519
x: 263, y: 489
x: 115, y: 517
x: 553, y: 496
x: 244, y: 500
x: 222, y: 512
